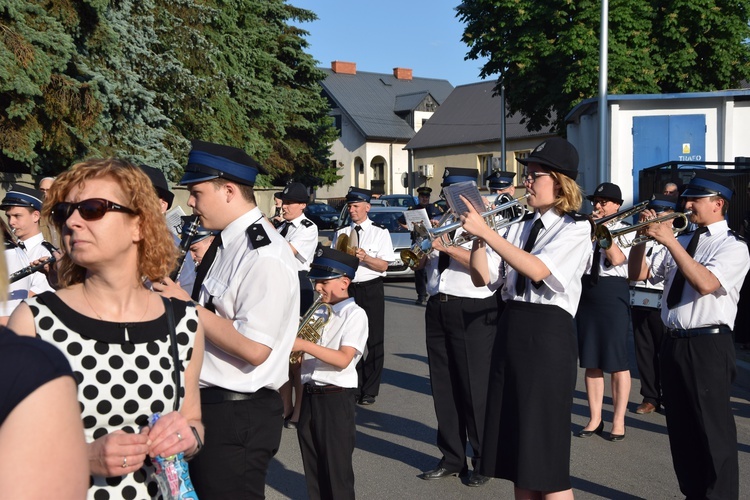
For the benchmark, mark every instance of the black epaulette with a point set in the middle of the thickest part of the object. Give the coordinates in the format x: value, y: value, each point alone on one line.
x: 579, y: 217
x: 738, y: 236
x: 381, y: 226
x: 307, y: 222
x: 258, y: 236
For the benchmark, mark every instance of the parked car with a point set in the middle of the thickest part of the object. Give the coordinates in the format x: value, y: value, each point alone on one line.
x: 399, y: 200
x: 323, y: 215
x: 400, y: 236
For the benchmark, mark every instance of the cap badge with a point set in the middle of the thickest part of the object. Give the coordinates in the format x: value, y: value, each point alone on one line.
x: 540, y: 147
x: 601, y: 188
x: 446, y: 173
x: 350, y: 189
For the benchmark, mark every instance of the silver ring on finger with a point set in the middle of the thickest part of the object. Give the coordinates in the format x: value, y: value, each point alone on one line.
x: 179, y: 436
x: 124, y: 462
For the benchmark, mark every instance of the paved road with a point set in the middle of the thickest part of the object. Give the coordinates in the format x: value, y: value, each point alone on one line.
x: 396, y: 436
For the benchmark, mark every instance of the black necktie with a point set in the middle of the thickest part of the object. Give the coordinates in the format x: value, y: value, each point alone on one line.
x: 520, y: 279
x: 678, y: 285
x: 444, y: 261
x: 205, y: 265
x: 358, y: 229
x: 284, y: 229
x: 595, y: 264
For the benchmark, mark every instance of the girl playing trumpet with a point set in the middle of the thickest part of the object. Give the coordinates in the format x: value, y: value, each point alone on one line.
x: 533, y: 372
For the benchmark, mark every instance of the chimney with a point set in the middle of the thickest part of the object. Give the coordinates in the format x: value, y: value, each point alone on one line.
x: 344, y: 68
x: 402, y: 73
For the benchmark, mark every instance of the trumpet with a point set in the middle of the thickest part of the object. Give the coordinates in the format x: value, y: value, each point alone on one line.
x: 489, y: 217
x: 422, y: 242
x: 606, y: 237
x: 622, y: 214
x: 310, y: 327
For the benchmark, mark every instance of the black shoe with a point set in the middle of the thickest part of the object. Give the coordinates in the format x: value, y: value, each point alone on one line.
x: 477, y: 479
x: 438, y: 473
x: 366, y: 400
x: 289, y: 424
x: 598, y: 431
x: 616, y: 437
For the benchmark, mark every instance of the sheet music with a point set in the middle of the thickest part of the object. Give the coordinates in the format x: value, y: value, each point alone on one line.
x: 470, y: 191
x: 419, y: 216
x: 174, y: 220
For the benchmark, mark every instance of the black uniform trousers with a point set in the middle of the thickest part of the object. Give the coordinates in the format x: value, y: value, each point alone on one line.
x: 241, y: 439
x: 697, y: 374
x: 420, y: 283
x: 460, y: 335
x: 370, y: 296
x: 326, y: 432
x: 648, y: 333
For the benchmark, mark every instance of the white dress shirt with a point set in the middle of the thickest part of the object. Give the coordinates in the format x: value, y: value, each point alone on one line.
x: 564, y: 245
x: 347, y: 326
x: 604, y: 268
x: 456, y: 280
x: 722, y: 253
x: 374, y: 240
x: 304, y: 238
x: 258, y: 289
x: 36, y: 283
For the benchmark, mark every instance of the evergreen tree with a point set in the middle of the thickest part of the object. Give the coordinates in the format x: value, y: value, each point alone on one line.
x: 46, y: 116
x: 139, y: 79
x: 547, y: 53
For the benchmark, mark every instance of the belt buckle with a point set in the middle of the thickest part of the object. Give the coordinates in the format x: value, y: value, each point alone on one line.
x: 442, y: 297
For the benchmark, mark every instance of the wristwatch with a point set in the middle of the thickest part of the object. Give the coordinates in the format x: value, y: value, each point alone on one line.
x: 198, y: 442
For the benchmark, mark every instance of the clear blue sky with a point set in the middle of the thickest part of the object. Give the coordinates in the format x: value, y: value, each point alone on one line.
x: 379, y: 35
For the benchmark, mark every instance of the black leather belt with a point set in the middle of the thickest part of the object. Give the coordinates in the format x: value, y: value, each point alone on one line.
x: 363, y: 284
x: 211, y: 395
x: 323, y: 389
x: 678, y: 333
x: 444, y: 297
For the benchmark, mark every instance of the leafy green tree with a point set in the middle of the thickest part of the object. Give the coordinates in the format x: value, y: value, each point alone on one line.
x: 265, y: 89
x: 547, y: 53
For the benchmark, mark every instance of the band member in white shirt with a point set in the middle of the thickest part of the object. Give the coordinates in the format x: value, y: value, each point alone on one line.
x: 249, y: 304
x: 326, y: 430
x: 603, y: 321
x: 372, y: 245
x: 22, y: 206
x: 702, y: 273
x: 460, y: 328
x: 533, y: 372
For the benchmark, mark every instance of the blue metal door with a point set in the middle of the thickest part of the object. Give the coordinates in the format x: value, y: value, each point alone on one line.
x: 658, y: 139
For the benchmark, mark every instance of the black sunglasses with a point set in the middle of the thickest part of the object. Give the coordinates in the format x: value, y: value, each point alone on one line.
x: 91, y: 209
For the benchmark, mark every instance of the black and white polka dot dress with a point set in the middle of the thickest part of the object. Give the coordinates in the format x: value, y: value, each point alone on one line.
x: 124, y: 374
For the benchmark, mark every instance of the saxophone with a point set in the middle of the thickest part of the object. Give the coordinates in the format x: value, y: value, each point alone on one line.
x: 310, y: 327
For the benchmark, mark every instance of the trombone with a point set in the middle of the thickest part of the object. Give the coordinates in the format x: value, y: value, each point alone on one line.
x: 606, y: 237
x: 519, y: 212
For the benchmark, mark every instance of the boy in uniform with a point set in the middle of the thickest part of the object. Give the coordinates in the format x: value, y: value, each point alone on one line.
x: 326, y: 428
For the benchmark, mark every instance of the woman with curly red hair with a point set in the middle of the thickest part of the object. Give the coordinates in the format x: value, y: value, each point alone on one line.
x: 115, y: 331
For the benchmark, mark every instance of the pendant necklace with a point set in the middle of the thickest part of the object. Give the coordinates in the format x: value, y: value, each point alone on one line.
x: 121, y: 325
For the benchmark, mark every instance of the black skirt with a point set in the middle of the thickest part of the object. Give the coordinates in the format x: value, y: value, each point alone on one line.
x: 604, y: 325
x: 533, y: 374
